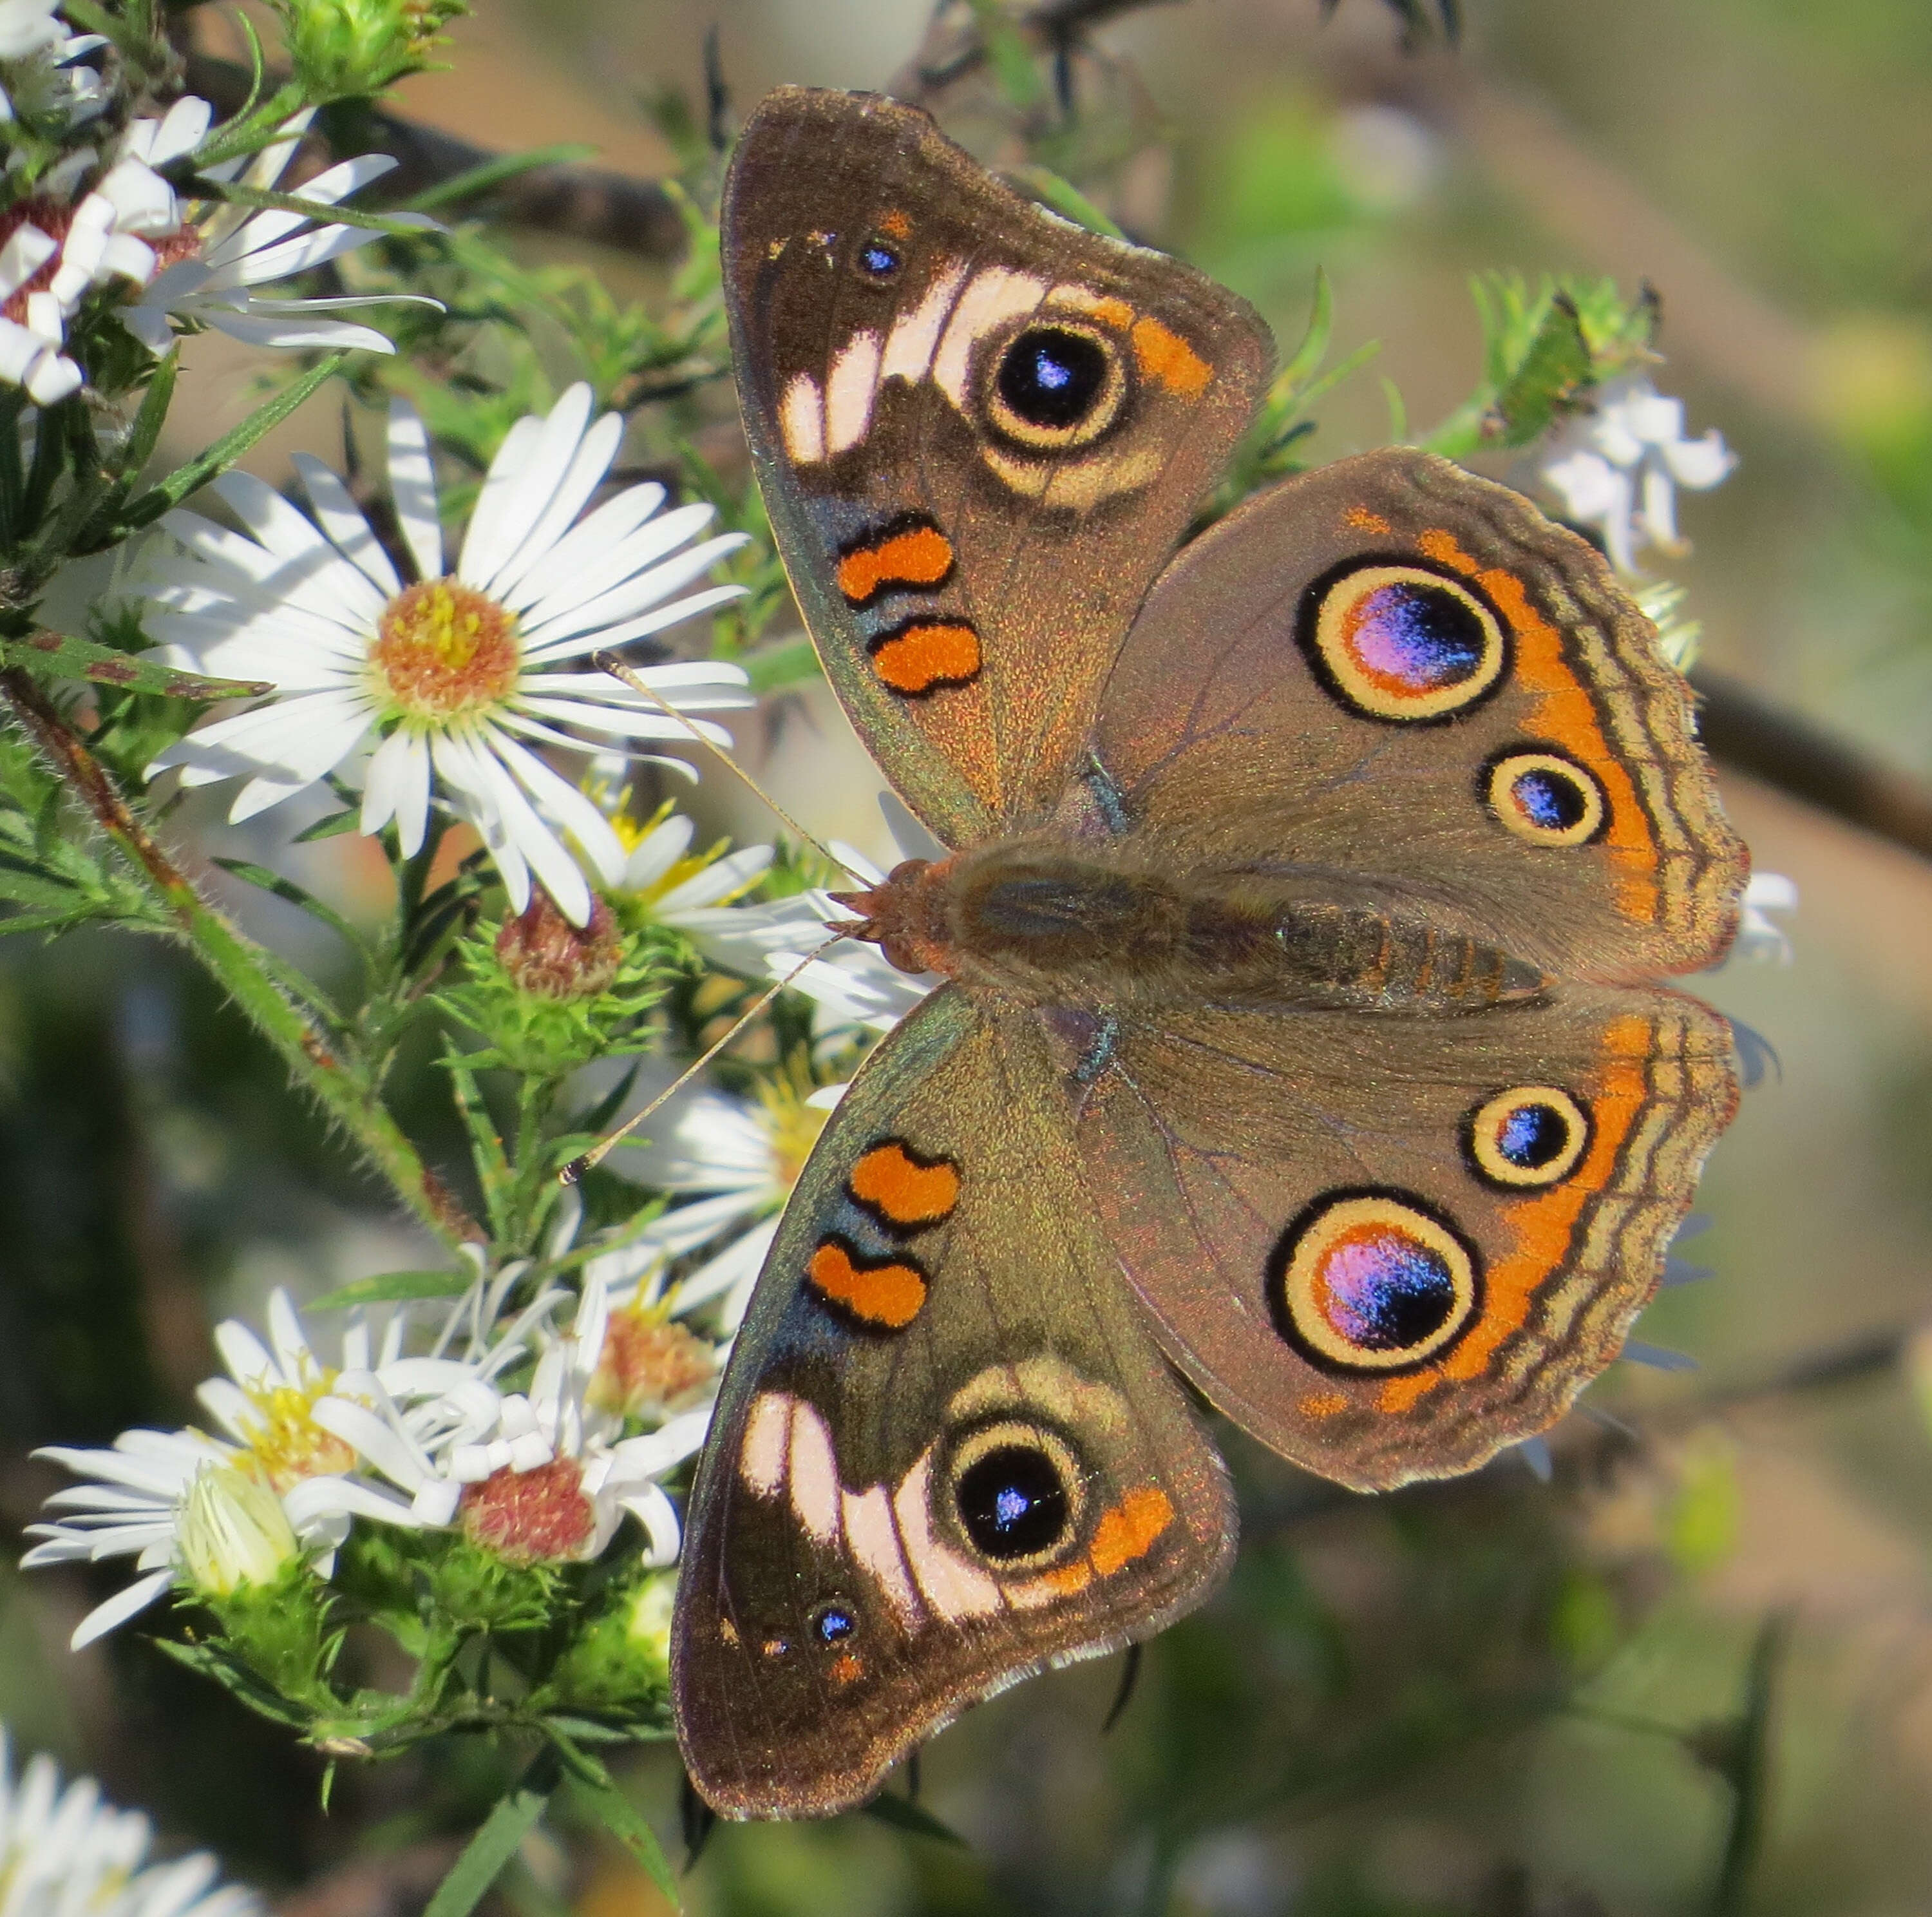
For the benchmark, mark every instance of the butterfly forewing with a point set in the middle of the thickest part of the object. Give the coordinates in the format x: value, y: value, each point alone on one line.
x: 979, y: 430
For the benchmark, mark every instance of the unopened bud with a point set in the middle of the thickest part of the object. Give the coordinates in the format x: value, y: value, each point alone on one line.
x: 233, y: 1532
x: 549, y: 957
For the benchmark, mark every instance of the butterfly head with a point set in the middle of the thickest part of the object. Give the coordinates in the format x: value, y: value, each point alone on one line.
x: 905, y: 915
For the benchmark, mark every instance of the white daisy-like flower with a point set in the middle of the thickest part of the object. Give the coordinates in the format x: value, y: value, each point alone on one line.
x: 37, y: 81
x: 214, y: 268
x: 66, y: 1852
x: 141, y: 1499
x: 538, y: 1477
x: 662, y: 877
x: 454, y: 677
x: 1617, y: 467
x: 208, y: 1511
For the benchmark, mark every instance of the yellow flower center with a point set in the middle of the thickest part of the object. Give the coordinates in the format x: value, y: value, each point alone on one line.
x: 288, y: 1444
x: 791, y: 1126
x: 444, y: 651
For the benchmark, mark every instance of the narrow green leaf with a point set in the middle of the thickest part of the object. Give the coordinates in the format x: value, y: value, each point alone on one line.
x: 391, y: 1287
x: 1314, y: 347
x: 333, y: 827
x: 288, y: 890
x: 402, y: 225
x: 145, y: 433
x: 1062, y: 197
x: 232, y: 445
x: 904, y: 1815
x: 1008, y: 55
x: 486, y: 1147
x: 478, y: 179
x: 630, y: 1827
x: 493, y: 1846
x: 56, y: 656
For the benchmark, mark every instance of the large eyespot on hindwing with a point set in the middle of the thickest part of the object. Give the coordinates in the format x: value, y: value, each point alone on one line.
x: 1526, y: 1137
x: 1055, y: 384
x: 1015, y: 1494
x: 1401, y: 643
x: 1374, y: 1280
x: 1544, y: 797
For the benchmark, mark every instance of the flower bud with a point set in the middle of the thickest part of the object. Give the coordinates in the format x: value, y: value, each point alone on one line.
x: 342, y: 49
x: 549, y: 957
x: 233, y: 1532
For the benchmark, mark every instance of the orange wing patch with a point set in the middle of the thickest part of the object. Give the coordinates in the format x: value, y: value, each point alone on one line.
x: 907, y: 1194
x: 1564, y: 712
x: 927, y: 655
x: 1126, y: 1532
x: 1360, y: 519
x: 1164, y: 357
x: 916, y: 555
x: 885, y: 1297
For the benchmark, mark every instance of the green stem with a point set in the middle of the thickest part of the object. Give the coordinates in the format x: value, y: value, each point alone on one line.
x: 239, y: 964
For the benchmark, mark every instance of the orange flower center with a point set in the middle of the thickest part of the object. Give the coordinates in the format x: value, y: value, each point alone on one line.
x: 443, y: 650
x: 650, y: 1365
x: 531, y: 1517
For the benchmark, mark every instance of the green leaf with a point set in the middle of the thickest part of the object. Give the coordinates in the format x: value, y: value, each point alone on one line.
x: 299, y: 896
x: 486, y: 1147
x: 218, y: 458
x: 1008, y: 55
x: 390, y: 1287
x: 904, y: 1815
x: 333, y: 827
x: 478, y: 179
x: 237, y: 1680
x: 400, y: 226
x: 1548, y: 380
x: 627, y: 1824
x: 1062, y: 197
x: 55, y: 656
x: 493, y: 1846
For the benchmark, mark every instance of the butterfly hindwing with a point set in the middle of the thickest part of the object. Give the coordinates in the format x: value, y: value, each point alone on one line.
x: 980, y: 431
x: 1396, y: 680
x: 946, y: 1452
x: 1389, y: 1246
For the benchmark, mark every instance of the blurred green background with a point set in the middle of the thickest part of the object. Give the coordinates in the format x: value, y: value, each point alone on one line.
x: 1692, y: 1674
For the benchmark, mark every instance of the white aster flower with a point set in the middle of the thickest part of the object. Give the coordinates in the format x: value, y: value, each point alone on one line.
x: 662, y: 877
x: 216, y: 266
x: 1616, y: 468
x: 66, y: 1852
x: 455, y: 677
x: 538, y: 1477
x: 36, y: 83
x: 135, y: 1504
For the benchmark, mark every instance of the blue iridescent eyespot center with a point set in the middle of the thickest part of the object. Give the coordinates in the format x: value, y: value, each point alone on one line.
x: 1409, y: 638
x: 1532, y: 1136
x: 1549, y: 799
x: 1383, y: 1290
x: 834, y: 1624
x: 1052, y: 378
x: 1011, y: 1502
x: 877, y: 260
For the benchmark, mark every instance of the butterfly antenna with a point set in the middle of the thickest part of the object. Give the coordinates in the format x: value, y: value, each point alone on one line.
x: 1130, y: 1677
x: 609, y: 662
x: 589, y: 1161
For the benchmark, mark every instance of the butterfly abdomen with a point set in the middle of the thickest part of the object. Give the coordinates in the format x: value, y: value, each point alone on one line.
x: 1044, y: 923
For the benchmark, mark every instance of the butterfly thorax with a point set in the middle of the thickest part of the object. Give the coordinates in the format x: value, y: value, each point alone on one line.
x: 1048, y: 923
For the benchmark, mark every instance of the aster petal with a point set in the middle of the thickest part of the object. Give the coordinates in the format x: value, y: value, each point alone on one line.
x: 585, y: 473
x: 1698, y: 463
x: 636, y: 595
x: 460, y: 769
x: 342, y: 519
x: 118, y: 1609
x: 294, y: 333
x: 546, y: 464
x: 574, y: 644
x: 180, y: 131
x: 559, y: 873
x: 290, y: 535
x: 659, y: 1516
x: 718, y: 880
x: 595, y: 572
x: 565, y: 803
x: 413, y: 489
x: 611, y: 718
x: 247, y: 1357
x: 597, y: 535
x: 374, y: 1438
x: 499, y: 487
x: 382, y: 783
x: 657, y: 852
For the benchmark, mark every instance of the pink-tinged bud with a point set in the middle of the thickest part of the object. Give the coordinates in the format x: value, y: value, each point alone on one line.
x: 535, y: 1517
x: 550, y: 958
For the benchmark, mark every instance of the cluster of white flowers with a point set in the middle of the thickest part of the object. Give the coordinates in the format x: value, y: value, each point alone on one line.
x: 66, y: 1852
x: 433, y: 1439
x: 96, y: 218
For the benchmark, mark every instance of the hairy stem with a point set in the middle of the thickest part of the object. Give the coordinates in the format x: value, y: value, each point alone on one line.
x: 239, y: 965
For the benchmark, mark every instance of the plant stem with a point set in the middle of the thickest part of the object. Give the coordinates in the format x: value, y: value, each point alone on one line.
x: 239, y: 966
